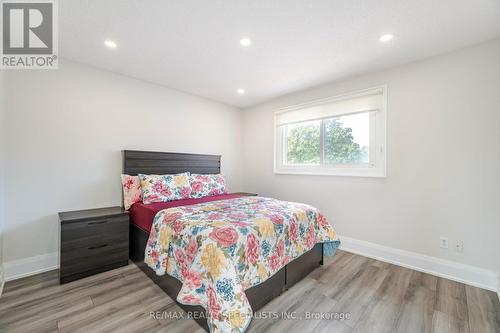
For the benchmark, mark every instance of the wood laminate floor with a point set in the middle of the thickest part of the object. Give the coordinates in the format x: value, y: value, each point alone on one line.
x: 378, y: 297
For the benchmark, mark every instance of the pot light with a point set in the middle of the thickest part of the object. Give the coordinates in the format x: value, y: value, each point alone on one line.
x: 385, y: 38
x: 245, y: 42
x: 240, y: 91
x: 110, y: 44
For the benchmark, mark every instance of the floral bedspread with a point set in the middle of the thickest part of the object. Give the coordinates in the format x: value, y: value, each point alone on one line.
x: 219, y: 249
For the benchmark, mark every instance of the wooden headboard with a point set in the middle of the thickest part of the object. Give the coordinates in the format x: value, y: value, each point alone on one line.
x: 159, y: 163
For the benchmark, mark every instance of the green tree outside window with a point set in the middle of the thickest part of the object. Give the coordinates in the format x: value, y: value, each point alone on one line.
x: 303, y: 144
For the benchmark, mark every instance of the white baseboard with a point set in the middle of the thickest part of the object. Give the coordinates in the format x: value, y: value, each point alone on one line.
x: 471, y: 275
x: 2, y: 279
x: 30, y: 266
x: 498, y: 287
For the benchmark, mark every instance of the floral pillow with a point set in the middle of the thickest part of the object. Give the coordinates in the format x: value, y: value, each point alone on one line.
x: 207, y: 185
x: 161, y: 188
x: 131, y: 190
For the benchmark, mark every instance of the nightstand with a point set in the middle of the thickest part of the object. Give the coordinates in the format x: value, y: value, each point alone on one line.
x: 246, y: 194
x: 92, y: 241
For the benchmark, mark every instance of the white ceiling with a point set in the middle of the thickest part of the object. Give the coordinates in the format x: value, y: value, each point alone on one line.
x: 193, y: 45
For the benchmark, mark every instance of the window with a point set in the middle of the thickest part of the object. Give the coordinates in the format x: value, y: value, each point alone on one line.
x: 343, y: 136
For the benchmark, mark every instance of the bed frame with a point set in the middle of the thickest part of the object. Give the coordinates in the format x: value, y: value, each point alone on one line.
x: 147, y: 162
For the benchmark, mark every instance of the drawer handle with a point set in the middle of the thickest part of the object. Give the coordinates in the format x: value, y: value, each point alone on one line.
x: 98, y: 222
x: 97, y: 247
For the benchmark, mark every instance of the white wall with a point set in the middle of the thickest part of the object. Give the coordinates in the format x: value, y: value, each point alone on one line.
x: 65, y: 132
x: 443, y: 160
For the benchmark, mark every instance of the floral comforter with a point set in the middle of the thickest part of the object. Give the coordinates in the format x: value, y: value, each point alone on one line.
x: 219, y: 249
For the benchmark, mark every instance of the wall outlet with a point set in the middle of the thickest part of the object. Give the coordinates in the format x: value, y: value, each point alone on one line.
x: 459, y: 246
x: 443, y: 242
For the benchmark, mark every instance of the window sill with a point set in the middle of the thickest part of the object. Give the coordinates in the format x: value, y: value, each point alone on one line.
x: 372, y: 173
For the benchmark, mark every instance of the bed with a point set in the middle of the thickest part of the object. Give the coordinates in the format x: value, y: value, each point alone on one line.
x: 136, y: 162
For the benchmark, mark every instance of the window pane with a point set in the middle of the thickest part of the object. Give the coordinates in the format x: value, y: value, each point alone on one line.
x: 347, y: 139
x: 303, y: 143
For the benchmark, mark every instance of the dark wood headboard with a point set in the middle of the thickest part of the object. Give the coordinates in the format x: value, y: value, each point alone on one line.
x: 159, y: 163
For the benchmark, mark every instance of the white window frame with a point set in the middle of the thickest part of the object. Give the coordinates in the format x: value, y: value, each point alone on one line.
x: 377, y: 165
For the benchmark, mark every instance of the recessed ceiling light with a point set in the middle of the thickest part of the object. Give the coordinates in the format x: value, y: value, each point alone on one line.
x: 385, y: 38
x: 110, y: 44
x: 245, y: 41
x: 240, y: 91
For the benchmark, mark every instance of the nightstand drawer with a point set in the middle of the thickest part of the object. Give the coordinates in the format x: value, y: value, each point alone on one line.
x: 95, y: 240
x: 106, y: 226
x: 92, y: 257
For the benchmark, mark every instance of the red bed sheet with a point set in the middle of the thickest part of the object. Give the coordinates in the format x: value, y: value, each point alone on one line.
x: 142, y: 215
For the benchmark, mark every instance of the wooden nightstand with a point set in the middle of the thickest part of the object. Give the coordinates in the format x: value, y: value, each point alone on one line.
x: 246, y: 194
x: 92, y: 241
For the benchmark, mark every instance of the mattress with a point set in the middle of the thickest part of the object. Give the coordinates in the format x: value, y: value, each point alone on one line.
x: 142, y: 215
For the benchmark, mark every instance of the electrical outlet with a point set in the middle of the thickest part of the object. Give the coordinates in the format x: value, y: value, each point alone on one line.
x: 443, y: 242
x: 459, y: 246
